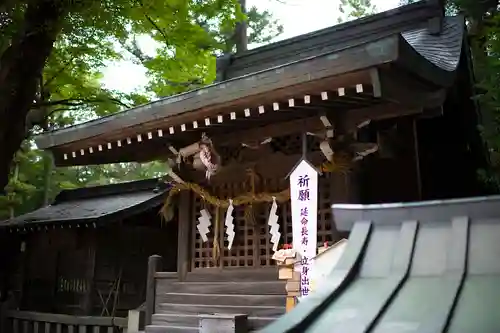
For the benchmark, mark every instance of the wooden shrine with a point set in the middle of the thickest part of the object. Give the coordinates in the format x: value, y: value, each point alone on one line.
x: 384, y: 104
x: 85, y: 254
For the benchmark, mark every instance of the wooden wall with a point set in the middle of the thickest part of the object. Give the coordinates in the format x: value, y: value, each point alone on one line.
x: 124, y: 265
x: 451, y: 149
x: 10, y: 255
x: 99, y: 271
x: 432, y: 158
x: 393, y: 174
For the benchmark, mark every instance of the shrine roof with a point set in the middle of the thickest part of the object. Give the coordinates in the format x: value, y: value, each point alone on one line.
x: 93, y: 205
x: 413, y: 40
x: 417, y: 267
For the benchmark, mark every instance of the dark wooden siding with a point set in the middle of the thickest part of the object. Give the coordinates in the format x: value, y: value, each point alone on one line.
x: 99, y: 271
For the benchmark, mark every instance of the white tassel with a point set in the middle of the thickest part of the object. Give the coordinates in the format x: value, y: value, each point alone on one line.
x: 229, y: 225
x: 203, y: 226
x: 275, y: 227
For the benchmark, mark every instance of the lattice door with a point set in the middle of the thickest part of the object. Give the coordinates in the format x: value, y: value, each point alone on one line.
x: 245, y: 246
x: 251, y: 246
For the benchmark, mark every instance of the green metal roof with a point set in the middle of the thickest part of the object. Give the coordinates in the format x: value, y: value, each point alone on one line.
x: 424, y: 267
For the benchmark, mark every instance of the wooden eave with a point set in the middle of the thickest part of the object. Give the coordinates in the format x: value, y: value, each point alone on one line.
x: 251, y: 90
x: 180, y: 119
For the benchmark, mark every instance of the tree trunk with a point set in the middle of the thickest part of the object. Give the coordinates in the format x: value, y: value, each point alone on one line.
x: 48, y: 168
x: 241, y: 31
x: 12, y: 212
x: 20, y: 67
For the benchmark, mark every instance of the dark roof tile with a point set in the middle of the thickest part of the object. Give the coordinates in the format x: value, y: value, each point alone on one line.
x: 93, y: 203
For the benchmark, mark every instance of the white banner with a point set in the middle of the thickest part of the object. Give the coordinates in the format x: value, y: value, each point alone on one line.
x: 304, y: 202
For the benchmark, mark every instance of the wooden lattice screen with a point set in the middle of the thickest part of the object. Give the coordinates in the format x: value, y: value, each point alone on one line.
x: 251, y: 246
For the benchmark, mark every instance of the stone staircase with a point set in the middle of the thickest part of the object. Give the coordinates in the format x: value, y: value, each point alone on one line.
x: 179, y: 303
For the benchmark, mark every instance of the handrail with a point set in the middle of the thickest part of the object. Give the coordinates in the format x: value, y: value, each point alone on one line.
x: 47, y: 319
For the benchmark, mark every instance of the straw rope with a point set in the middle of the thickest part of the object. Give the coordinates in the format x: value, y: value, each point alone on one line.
x: 341, y: 165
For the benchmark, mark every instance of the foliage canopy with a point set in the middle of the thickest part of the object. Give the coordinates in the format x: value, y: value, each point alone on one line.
x: 76, y: 40
x: 74, y: 43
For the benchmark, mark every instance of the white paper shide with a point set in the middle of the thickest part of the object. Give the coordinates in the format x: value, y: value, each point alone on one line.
x: 229, y: 223
x: 204, y: 224
x: 274, y: 225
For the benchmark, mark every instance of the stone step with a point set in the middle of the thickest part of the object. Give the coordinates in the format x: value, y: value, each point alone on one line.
x: 165, y: 319
x: 221, y: 299
x: 191, y: 320
x: 242, y: 287
x: 246, y: 274
x: 253, y: 311
x: 171, y: 329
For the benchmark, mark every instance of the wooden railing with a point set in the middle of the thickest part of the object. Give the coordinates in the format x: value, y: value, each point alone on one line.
x: 36, y: 322
x: 155, y: 278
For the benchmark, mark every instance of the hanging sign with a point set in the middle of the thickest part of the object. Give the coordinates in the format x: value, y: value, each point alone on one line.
x: 304, y: 202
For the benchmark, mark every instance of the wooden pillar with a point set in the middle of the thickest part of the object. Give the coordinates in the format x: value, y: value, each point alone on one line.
x: 418, y: 174
x: 154, y: 265
x: 89, y: 273
x: 183, y: 235
x: 23, y: 256
x: 344, y: 188
x: 135, y: 321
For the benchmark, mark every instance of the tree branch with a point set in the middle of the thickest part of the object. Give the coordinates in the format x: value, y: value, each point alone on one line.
x: 49, y: 81
x: 79, y: 102
x: 153, y: 23
x: 136, y: 52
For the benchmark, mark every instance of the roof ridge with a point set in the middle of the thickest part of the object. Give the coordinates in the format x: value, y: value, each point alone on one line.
x: 108, y: 189
x: 398, y: 11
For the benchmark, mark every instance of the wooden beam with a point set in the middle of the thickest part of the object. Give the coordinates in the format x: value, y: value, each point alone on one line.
x: 282, y: 128
x: 375, y: 78
x: 350, y: 119
x: 343, y: 121
x: 136, y: 152
x: 400, y: 87
x: 380, y: 112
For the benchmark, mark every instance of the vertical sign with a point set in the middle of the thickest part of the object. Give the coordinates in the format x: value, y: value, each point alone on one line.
x: 304, y: 201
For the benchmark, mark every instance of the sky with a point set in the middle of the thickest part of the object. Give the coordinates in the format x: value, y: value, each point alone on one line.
x: 297, y: 17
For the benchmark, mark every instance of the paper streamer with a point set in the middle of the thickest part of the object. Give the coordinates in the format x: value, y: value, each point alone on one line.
x: 275, y: 227
x: 229, y: 224
x: 204, y: 224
